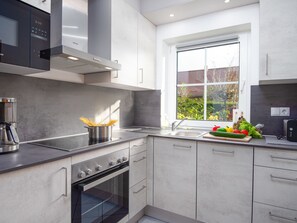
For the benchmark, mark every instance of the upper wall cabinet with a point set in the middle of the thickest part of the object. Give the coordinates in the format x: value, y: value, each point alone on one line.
x: 278, y: 45
x: 120, y: 33
x: 44, y: 5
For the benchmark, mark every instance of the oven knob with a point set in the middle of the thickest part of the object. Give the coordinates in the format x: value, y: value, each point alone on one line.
x: 111, y: 163
x: 98, y: 167
x: 89, y: 171
x: 81, y: 174
x: 124, y: 159
x: 119, y: 160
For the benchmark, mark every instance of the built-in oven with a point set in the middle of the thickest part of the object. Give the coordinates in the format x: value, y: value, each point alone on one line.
x: 24, y: 38
x: 100, y: 189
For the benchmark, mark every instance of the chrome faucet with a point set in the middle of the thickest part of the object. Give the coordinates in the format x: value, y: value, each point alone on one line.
x: 173, y: 126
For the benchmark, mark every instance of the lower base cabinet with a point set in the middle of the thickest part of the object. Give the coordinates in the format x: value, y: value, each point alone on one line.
x: 37, y: 194
x: 270, y: 214
x: 137, y: 198
x: 224, y: 183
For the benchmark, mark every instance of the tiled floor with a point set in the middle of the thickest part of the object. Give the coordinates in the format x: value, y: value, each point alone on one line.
x: 146, y: 219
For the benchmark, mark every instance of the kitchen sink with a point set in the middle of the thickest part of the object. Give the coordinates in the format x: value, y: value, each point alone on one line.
x: 183, y: 133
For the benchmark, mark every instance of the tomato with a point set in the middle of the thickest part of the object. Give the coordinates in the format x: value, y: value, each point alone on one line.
x: 236, y: 131
x: 215, y: 128
x: 246, y: 132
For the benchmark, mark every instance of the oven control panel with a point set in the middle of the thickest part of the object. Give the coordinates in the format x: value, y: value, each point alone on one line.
x: 99, y: 164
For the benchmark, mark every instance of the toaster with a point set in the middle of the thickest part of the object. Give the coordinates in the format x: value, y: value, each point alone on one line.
x: 291, y: 130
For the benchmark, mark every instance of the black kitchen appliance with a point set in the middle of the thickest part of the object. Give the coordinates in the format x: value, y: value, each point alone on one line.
x: 24, y: 38
x: 100, y: 189
x: 292, y: 130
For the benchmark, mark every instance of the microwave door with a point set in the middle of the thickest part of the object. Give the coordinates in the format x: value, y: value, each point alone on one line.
x: 14, y: 32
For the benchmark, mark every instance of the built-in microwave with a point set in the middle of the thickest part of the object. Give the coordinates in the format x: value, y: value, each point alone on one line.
x: 24, y: 38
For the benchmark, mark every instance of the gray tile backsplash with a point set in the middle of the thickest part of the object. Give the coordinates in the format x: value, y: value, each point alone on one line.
x: 266, y: 96
x: 48, y: 108
x: 147, y: 108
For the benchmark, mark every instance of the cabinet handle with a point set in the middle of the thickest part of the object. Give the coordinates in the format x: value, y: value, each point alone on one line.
x: 136, y: 146
x: 266, y: 64
x: 283, y: 178
x: 43, y: 1
x: 136, y: 192
x: 181, y: 146
x: 136, y: 161
x: 141, y: 79
x: 66, y: 182
x: 282, y: 158
x: 222, y: 151
x: 284, y: 218
x: 116, y: 72
x: 75, y: 43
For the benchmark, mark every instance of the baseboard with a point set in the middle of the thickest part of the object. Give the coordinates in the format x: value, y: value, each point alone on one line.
x: 167, y: 216
x: 136, y: 217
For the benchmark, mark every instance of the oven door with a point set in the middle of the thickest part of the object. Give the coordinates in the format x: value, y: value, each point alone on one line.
x: 14, y: 33
x: 102, y: 198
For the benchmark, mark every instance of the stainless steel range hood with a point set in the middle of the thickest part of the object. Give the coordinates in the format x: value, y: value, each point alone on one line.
x: 69, y: 39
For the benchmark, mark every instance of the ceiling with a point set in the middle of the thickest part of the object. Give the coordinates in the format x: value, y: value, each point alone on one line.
x: 158, y: 11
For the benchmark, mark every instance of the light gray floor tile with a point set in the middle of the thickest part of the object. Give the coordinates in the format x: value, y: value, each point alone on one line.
x: 146, y: 219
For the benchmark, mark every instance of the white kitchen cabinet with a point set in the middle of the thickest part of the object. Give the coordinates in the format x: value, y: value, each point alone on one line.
x: 37, y: 194
x: 137, y: 198
x: 270, y: 214
x: 278, y: 45
x: 146, y: 53
x: 175, y: 176
x: 120, y: 33
x: 137, y: 176
x: 224, y: 183
x: 44, y: 5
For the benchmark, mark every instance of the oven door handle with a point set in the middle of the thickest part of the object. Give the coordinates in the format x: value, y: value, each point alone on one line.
x: 85, y: 187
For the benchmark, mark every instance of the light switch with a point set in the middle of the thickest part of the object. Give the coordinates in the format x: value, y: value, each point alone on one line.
x: 275, y: 111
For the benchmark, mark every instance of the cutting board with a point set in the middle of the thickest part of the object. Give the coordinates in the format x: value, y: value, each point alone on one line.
x: 245, y: 139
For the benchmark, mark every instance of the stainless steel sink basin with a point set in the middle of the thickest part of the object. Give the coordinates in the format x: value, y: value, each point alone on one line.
x: 184, y: 133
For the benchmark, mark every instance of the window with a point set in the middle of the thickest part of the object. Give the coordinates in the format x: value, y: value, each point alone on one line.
x: 208, y: 82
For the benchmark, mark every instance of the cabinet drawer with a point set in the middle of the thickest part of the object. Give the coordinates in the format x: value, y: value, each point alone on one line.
x: 137, y: 168
x: 137, y: 198
x: 269, y: 214
x: 275, y: 187
x: 137, y: 146
x: 283, y: 159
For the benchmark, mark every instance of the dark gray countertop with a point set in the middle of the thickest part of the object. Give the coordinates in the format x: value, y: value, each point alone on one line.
x: 30, y: 155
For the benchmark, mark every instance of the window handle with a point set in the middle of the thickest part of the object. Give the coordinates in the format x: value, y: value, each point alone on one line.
x: 266, y: 64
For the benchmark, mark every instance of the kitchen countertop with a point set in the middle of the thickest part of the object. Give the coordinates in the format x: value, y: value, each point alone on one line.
x: 30, y: 155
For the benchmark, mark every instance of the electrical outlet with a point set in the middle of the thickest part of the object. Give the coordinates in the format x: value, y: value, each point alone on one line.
x: 284, y: 111
x: 275, y: 111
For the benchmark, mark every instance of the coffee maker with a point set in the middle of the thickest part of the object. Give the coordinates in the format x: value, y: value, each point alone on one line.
x: 9, y: 140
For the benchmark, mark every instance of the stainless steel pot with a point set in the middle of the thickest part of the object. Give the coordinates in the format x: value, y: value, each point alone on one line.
x: 100, y: 133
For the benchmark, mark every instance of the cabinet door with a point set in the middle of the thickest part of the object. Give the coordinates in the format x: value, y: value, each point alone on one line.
x: 124, y: 42
x: 44, y: 5
x: 37, y: 194
x: 224, y: 184
x: 175, y: 176
x: 146, y: 53
x: 278, y: 45
x: 137, y: 198
x: 137, y: 168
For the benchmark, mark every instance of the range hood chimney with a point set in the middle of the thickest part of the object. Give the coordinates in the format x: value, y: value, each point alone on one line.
x: 69, y: 39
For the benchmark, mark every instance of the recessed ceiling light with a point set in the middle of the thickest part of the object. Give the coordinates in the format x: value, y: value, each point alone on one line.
x: 171, y: 15
x: 72, y: 58
x: 227, y: 1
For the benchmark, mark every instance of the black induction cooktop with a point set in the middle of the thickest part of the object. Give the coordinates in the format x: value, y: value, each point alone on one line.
x: 71, y: 143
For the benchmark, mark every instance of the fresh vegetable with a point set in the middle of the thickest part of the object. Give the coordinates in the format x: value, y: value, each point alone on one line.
x: 215, y: 128
x: 246, y: 132
x: 229, y: 129
x: 236, y: 131
x: 221, y: 130
x: 227, y: 134
x: 252, y: 131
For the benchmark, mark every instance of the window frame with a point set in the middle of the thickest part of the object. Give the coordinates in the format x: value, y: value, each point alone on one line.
x: 168, y: 108
x: 205, y: 84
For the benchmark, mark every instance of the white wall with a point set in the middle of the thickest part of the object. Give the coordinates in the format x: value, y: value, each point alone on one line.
x: 227, y: 22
